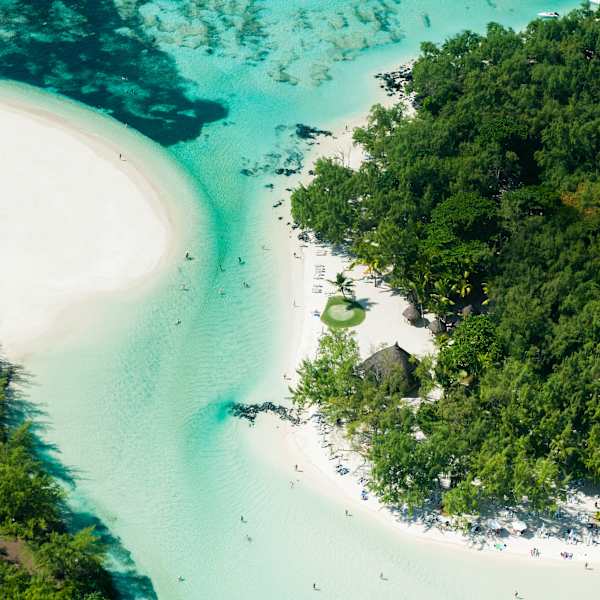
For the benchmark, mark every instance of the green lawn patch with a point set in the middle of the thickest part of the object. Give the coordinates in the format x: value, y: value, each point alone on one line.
x: 341, y: 313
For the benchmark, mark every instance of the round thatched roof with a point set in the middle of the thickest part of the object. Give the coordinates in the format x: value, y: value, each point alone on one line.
x: 436, y: 327
x: 411, y: 314
x: 386, y: 361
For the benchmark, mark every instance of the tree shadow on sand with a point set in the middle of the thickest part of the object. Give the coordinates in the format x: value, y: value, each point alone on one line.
x: 98, y: 55
x: 365, y: 303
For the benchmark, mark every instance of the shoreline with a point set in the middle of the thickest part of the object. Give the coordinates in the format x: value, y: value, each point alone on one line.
x: 105, y: 193
x: 303, y: 444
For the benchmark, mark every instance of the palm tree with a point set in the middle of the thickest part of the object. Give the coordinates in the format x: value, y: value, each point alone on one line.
x: 440, y: 298
x: 374, y: 264
x: 416, y: 285
x: 343, y: 284
x: 486, y: 290
x: 463, y: 286
x: 374, y: 268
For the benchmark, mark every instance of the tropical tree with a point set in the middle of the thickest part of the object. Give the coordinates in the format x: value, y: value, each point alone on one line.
x: 491, y: 193
x: 440, y: 299
x: 331, y: 379
x: 463, y: 287
x: 343, y: 284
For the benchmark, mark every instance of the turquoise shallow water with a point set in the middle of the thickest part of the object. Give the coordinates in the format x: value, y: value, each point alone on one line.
x: 140, y: 412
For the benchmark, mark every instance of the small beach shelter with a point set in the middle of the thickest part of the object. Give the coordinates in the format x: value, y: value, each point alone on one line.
x: 411, y: 314
x: 494, y: 525
x: 436, y: 327
x: 388, y: 361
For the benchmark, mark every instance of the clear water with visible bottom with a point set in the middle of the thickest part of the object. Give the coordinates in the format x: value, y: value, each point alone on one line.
x: 138, y: 410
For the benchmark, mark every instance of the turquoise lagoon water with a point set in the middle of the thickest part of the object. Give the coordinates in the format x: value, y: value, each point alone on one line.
x: 137, y: 408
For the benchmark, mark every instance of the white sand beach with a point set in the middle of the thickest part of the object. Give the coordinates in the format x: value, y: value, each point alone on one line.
x: 80, y: 217
x: 318, y: 450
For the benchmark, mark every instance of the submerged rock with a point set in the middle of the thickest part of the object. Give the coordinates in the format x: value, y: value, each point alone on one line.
x: 251, y: 411
x: 306, y: 132
x: 395, y: 82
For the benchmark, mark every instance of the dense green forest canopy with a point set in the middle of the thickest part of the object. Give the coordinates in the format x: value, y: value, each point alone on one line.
x: 489, y: 197
x: 47, y: 561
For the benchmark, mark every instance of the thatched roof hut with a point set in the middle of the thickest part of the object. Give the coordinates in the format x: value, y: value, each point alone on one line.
x: 436, y: 327
x: 411, y: 314
x: 390, y: 360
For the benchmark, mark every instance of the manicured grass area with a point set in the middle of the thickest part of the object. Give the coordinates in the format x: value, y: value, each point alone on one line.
x: 341, y: 313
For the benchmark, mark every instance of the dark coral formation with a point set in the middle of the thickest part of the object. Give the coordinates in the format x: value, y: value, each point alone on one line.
x: 251, y: 411
x: 100, y: 55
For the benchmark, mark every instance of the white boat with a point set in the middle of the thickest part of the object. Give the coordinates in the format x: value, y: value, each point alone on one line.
x: 548, y: 15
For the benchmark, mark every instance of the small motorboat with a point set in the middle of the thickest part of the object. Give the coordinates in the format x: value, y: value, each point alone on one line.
x: 549, y: 15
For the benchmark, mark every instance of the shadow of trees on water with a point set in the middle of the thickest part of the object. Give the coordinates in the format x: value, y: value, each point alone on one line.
x: 130, y: 584
x: 100, y: 55
x: 18, y: 409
